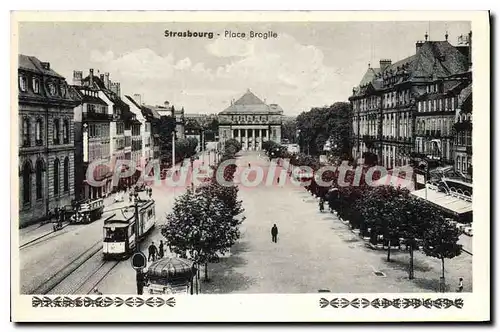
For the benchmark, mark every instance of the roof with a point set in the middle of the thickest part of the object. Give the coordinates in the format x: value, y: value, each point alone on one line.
x: 249, y: 99
x: 369, y: 75
x: 432, y: 60
x: 84, y: 98
x: 250, y: 103
x: 32, y: 63
x: 172, y: 269
x: 465, y: 94
x: 455, y: 205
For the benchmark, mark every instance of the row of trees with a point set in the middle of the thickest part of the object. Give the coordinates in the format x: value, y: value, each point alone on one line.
x: 205, y: 221
x: 321, y: 124
x: 390, y: 216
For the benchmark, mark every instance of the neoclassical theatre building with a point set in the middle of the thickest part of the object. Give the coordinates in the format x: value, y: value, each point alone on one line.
x: 250, y: 121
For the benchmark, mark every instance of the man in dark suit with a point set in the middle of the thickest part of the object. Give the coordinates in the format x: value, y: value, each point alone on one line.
x: 274, y: 233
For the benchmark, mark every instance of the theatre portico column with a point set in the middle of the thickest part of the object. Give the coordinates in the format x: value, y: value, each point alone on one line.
x: 254, y: 140
x: 246, y: 139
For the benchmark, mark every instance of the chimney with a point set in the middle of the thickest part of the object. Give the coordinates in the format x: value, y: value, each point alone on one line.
x: 91, y: 76
x: 138, y: 98
x: 418, y: 44
x: 384, y: 64
x: 45, y: 65
x: 115, y: 87
x: 77, y: 77
x: 106, y: 80
x: 101, y: 76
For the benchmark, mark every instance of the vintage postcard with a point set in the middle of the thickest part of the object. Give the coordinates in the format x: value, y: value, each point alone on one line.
x: 250, y: 166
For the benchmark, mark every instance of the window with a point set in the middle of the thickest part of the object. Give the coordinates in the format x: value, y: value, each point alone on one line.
x: 468, y: 140
x: 36, y: 85
x: 66, y: 131
x: 458, y: 163
x: 56, y: 133
x: 26, y: 132
x: 56, y: 177
x: 38, y: 132
x: 453, y: 103
x: 26, y: 182
x: 66, y: 174
x: 446, y: 104
x: 39, y: 179
x: 23, y: 83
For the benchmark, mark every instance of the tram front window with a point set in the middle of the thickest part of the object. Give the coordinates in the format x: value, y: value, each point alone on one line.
x: 115, y: 235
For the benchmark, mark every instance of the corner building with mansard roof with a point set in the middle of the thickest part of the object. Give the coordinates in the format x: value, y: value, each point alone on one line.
x: 406, y: 108
x: 250, y: 121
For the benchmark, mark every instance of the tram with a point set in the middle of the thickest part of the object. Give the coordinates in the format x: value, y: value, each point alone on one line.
x: 88, y: 211
x: 119, y: 231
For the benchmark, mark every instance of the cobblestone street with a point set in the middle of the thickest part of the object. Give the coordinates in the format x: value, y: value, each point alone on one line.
x: 315, y: 251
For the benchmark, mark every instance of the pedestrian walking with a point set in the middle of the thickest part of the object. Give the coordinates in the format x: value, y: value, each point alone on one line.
x: 274, y: 233
x: 150, y: 192
x: 460, y: 285
x: 130, y: 195
x: 152, y: 250
x: 321, y: 205
x: 161, y: 251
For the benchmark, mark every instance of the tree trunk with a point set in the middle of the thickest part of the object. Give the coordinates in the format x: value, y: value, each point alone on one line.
x: 206, y: 271
x: 389, y: 250
x: 443, y: 283
x: 411, y: 274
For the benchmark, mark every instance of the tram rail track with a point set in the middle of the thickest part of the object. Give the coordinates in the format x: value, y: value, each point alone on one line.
x: 43, y: 236
x: 66, y: 270
x: 96, y: 277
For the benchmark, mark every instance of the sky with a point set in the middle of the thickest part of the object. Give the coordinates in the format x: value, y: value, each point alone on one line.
x: 309, y: 64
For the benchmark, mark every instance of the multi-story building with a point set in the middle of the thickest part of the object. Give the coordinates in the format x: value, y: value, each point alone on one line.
x: 141, y: 115
x: 133, y: 143
x: 387, y: 102
x: 463, y: 134
x: 92, y: 140
x: 250, y: 121
x: 119, y: 111
x: 435, y: 117
x: 46, y: 152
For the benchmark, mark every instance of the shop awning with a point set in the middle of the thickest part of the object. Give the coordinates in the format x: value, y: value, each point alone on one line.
x: 455, y: 205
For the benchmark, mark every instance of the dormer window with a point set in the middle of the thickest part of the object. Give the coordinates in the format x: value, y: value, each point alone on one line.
x: 36, y: 85
x: 52, y: 89
x: 23, y: 84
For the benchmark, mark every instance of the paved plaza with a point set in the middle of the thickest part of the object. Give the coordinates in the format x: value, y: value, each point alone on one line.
x: 315, y: 251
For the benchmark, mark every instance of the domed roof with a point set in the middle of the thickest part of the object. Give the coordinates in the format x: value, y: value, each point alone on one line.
x: 172, y: 269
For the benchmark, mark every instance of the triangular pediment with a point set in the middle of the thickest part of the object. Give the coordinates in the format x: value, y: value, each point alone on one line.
x: 249, y: 99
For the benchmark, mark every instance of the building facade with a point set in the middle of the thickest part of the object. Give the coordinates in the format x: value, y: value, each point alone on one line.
x: 92, y: 139
x: 463, y: 134
x: 250, y: 121
x: 46, y: 147
x: 408, y: 106
x: 118, y: 113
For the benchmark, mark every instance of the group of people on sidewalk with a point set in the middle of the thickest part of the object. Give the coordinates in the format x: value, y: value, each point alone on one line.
x: 154, y: 252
